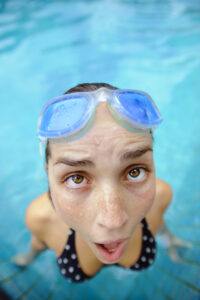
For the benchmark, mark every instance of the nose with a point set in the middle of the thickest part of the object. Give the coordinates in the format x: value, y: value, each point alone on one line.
x: 111, y: 211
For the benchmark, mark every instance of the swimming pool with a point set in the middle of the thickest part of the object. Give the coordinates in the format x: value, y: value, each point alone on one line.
x: 47, y: 47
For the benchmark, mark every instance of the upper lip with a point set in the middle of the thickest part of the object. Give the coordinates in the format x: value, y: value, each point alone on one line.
x: 115, y: 241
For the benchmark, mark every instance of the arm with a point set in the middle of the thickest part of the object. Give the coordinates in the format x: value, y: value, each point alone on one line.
x: 36, y: 221
x: 164, y: 197
x: 171, y: 241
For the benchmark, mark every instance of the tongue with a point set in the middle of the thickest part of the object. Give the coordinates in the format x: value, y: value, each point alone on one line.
x: 111, y: 245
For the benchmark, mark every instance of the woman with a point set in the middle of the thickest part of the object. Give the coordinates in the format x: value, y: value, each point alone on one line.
x: 104, y: 204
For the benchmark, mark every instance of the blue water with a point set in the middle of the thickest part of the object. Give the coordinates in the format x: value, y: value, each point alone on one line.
x: 47, y: 47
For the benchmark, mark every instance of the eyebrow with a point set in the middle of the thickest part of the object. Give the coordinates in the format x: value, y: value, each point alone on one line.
x: 128, y: 155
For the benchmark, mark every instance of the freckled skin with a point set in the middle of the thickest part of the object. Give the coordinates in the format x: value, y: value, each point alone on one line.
x: 108, y: 208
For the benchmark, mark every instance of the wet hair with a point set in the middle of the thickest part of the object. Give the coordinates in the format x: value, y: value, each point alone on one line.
x: 82, y: 87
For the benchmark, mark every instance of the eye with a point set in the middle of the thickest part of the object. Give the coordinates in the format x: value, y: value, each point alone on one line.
x: 137, y: 174
x: 75, y: 181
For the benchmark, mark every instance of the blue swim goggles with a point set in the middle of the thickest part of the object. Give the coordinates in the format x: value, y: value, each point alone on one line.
x: 67, y: 114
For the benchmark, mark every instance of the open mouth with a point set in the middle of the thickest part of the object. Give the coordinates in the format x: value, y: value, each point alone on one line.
x: 112, y: 251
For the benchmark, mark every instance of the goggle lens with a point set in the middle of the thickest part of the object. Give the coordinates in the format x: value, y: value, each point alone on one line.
x: 63, y: 117
x: 138, y: 108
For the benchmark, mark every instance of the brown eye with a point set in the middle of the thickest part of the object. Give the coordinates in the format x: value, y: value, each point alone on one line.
x: 134, y: 172
x: 137, y: 174
x: 75, y: 181
x: 77, y: 178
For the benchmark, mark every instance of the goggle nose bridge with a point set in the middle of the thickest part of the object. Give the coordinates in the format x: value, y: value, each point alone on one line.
x: 103, y: 94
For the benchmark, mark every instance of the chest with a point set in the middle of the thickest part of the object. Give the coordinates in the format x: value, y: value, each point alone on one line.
x: 58, y: 233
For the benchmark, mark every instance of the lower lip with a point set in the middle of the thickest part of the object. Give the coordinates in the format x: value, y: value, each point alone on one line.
x: 112, y: 256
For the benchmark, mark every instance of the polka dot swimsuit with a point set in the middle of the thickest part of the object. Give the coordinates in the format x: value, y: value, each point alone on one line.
x: 70, y: 268
x: 148, y: 250
x: 68, y: 261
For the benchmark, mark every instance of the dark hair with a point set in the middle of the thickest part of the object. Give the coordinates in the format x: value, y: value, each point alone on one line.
x: 82, y: 87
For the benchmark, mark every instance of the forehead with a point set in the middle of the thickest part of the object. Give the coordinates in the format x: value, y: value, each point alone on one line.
x: 105, y: 136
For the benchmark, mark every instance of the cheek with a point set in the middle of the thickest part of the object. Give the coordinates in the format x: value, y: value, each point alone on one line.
x: 71, y: 210
x: 144, y: 197
x: 64, y: 206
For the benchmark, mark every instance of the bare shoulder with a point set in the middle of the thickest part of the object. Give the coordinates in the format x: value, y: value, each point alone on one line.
x: 39, y: 214
x: 162, y: 201
x: 164, y: 194
x: 43, y: 222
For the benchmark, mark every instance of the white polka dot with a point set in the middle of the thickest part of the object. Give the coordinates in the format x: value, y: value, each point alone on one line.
x: 78, y: 277
x: 137, y: 266
x: 150, y: 261
x: 70, y: 231
x: 148, y: 250
x: 144, y: 237
x: 151, y: 240
x: 60, y: 260
x: 65, y: 260
x: 143, y: 258
x: 67, y: 247
x: 154, y: 250
x: 71, y: 269
x: 73, y: 256
x: 63, y: 271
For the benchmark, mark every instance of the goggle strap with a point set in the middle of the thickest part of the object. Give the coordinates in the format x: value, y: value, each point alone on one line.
x: 42, y: 147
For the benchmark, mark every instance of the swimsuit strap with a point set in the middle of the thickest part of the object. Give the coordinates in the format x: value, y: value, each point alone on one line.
x: 71, y: 239
x: 144, y: 223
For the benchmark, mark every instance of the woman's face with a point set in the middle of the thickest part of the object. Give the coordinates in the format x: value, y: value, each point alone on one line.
x: 103, y: 184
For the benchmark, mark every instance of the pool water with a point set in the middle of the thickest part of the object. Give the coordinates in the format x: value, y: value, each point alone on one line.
x: 49, y: 46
